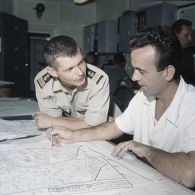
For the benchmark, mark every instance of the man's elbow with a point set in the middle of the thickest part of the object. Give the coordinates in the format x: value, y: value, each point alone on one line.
x: 188, y: 178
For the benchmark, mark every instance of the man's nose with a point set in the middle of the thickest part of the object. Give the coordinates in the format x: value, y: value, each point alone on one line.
x: 135, y: 76
x: 79, y: 70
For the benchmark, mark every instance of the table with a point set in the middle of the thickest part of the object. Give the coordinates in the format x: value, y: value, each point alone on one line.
x: 6, y: 88
x: 33, y: 167
x: 17, y: 106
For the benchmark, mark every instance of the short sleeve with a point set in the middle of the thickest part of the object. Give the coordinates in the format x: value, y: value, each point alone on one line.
x: 127, y: 120
x: 97, y: 111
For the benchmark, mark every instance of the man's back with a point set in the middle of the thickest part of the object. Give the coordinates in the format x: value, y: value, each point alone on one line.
x: 187, y: 64
x: 116, y: 75
x: 183, y: 31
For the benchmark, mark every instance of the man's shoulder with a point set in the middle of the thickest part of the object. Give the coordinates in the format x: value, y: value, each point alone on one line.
x: 190, y: 92
x: 95, y: 74
x: 42, y: 78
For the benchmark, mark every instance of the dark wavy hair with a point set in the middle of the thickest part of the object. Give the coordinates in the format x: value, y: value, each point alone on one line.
x: 166, y: 44
x: 177, y: 26
x: 60, y: 46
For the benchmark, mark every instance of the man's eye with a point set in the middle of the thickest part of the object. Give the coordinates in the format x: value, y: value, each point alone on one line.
x: 141, y: 72
x: 83, y: 62
x: 68, y: 70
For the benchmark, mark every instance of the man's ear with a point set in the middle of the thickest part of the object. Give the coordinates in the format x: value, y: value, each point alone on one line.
x: 52, y: 71
x: 170, y: 71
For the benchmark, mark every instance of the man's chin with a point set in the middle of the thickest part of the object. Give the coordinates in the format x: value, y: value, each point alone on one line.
x: 146, y: 93
x: 81, y: 83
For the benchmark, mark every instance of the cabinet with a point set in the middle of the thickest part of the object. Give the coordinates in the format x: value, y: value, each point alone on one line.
x: 107, y: 36
x: 90, y: 38
x: 158, y: 14
x: 101, y: 37
x: 129, y: 24
x: 127, y: 29
x: 140, y: 21
x: 14, y: 53
x: 162, y: 14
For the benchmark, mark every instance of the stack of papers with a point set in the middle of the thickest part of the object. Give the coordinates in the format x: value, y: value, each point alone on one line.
x: 17, y: 129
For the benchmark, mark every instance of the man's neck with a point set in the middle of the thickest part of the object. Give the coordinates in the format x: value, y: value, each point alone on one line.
x: 68, y: 88
x: 164, y: 100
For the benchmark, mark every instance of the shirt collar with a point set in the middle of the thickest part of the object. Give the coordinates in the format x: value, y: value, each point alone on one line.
x: 172, y: 113
x: 173, y: 110
x: 58, y: 87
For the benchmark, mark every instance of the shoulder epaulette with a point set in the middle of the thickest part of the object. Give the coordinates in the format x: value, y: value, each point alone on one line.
x: 43, y: 80
x: 94, y: 76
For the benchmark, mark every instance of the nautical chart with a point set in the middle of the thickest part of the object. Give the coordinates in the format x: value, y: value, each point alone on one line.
x: 39, y: 169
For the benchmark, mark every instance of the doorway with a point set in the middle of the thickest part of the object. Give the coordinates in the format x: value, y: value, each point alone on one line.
x: 37, y: 42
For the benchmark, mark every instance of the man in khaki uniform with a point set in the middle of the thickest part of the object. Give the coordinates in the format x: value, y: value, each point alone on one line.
x: 70, y: 93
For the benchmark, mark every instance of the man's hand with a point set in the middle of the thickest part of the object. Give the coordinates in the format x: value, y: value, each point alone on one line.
x: 60, y: 135
x: 43, y: 120
x: 177, y: 166
x: 133, y: 146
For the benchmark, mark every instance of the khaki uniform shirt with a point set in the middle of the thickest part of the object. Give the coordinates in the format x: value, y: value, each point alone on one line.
x: 90, y: 101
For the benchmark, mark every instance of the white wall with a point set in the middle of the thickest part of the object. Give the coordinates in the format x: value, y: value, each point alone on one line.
x: 59, y: 17
x: 137, y: 4
x: 63, y: 17
x: 110, y: 9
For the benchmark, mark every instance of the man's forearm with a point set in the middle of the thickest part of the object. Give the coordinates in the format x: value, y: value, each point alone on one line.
x: 177, y: 166
x: 104, y: 131
x: 70, y: 123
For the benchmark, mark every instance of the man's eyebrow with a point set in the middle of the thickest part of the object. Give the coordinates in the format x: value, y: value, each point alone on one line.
x: 139, y: 69
x: 81, y: 61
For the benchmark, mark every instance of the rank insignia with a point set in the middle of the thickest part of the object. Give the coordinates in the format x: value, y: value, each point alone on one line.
x: 94, y: 76
x: 43, y: 80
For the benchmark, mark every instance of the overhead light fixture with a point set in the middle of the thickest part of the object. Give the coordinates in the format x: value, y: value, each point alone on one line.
x: 81, y: 2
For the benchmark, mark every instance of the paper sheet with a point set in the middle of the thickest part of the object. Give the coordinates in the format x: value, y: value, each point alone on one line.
x: 35, y: 168
x: 17, y: 129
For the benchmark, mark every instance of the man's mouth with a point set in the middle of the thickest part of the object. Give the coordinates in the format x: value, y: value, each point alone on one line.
x: 81, y: 78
